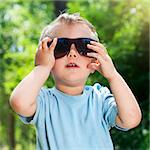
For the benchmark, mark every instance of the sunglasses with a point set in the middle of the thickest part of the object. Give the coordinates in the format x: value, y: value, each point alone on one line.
x: 63, y: 45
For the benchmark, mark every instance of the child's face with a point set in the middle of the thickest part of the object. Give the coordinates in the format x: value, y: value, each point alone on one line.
x: 72, y: 69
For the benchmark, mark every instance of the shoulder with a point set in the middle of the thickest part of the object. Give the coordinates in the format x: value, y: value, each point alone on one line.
x: 100, y: 89
x: 44, y: 93
x: 99, y: 92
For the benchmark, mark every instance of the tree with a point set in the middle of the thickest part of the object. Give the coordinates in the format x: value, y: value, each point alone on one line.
x: 121, y: 25
x: 20, y: 30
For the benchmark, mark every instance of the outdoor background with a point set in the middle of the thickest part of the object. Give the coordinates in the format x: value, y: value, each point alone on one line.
x: 122, y: 25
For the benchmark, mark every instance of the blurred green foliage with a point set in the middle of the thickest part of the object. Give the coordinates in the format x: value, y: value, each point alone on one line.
x: 122, y: 26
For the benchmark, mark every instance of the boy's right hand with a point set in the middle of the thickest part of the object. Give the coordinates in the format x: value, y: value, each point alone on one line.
x: 45, y: 55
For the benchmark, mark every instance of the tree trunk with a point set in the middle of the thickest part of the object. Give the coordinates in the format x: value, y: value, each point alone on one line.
x: 11, y: 131
x: 60, y: 6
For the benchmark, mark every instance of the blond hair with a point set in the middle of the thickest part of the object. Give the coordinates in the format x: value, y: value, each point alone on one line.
x: 68, y: 19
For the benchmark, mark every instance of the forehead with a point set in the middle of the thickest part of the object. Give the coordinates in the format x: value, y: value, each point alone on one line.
x: 74, y: 30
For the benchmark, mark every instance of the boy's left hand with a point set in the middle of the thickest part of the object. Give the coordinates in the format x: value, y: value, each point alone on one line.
x: 103, y: 63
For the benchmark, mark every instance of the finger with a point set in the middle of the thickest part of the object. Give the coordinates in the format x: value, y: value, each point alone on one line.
x: 44, y: 42
x: 98, y: 50
x: 99, y: 45
x: 52, y: 46
x: 97, y: 56
x: 39, y: 46
x: 95, y: 48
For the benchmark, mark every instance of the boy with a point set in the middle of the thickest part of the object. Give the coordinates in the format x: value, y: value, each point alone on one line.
x: 71, y: 115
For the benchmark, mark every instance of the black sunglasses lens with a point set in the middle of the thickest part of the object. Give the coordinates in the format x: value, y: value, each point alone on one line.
x: 49, y: 44
x: 81, y: 46
x: 61, y: 49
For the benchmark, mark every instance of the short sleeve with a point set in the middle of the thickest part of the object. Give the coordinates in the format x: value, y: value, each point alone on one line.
x: 39, y: 110
x: 109, y: 107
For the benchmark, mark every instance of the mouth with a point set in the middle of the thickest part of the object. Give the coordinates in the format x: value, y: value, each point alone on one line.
x: 72, y: 65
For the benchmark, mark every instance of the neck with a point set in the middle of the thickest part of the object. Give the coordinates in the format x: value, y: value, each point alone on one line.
x: 70, y: 90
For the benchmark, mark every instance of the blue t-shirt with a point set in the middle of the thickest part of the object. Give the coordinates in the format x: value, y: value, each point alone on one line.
x: 81, y: 122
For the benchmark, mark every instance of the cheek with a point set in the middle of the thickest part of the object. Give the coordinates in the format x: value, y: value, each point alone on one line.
x: 88, y: 60
x: 56, y: 71
x: 59, y: 65
x: 56, y: 67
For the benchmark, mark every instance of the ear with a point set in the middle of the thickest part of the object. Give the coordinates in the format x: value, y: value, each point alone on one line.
x: 92, y: 70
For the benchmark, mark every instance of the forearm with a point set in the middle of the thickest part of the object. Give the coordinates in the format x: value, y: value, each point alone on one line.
x: 27, y: 90
x: 129, y: 114
x: 128, y: 108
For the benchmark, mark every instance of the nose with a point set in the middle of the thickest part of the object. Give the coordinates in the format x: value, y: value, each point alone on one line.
x: 73, y: 51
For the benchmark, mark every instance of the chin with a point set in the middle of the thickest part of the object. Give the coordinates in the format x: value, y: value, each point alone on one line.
x: 74, y: 82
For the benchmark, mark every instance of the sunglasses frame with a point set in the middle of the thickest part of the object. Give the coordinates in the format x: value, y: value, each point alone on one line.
x: 63, y: 45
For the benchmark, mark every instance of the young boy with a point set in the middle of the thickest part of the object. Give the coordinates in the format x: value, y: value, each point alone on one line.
x: 71, y: 115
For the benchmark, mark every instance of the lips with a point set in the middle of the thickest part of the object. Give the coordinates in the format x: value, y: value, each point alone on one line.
x: 72, y: 65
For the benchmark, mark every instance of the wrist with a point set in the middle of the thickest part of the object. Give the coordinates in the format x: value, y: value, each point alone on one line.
x: 113, y: 76
x: 43, y: 68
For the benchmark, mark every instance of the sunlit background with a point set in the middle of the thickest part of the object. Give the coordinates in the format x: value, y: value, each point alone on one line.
x: 122, y: 25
